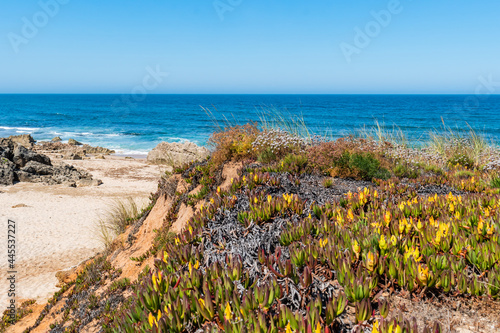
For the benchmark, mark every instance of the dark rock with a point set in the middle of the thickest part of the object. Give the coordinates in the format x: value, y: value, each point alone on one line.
x: 19, y: 164
x: 7, y: 175
x: 37, y: 168
x: 22, y: 156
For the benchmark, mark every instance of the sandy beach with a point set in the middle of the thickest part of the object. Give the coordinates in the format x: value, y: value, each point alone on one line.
x: 56, y: 225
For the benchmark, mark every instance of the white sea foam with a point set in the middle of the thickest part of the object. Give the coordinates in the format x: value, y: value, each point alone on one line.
x: 19, y: 129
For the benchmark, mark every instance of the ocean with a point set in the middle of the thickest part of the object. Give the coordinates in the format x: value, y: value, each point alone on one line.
x: 136, y: 124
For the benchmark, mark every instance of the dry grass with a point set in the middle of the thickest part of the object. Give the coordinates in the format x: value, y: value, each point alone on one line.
x: 120, y: 215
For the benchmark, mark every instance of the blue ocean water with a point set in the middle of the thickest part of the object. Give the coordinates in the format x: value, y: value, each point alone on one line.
x: 133, y: 126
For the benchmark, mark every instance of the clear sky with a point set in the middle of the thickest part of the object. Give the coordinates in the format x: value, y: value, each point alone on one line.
x: 249, y: 46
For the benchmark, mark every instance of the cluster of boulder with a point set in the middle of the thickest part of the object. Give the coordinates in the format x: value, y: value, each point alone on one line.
x: 19, y: 162
x: 72, y: 150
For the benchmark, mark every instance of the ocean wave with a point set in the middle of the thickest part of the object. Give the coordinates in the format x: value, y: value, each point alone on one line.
x: 20, y: 129
x: 121, y: 151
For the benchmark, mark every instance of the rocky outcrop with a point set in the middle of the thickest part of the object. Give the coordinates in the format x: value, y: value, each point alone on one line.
x: 67, y: 149
x: 56, y: 139
x: 177, y: 154
x: 25, y: 140
x: 73, y: 142
x: 97, y: 150
x: 19, y: 164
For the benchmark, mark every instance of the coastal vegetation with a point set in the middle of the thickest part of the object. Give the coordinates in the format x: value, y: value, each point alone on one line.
x: 311, y: 235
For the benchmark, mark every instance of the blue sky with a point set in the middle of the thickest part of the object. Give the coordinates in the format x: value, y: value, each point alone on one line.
x: 271, y: 46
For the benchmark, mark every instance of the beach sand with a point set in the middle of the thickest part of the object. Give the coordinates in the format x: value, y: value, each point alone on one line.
x: 56, y: 225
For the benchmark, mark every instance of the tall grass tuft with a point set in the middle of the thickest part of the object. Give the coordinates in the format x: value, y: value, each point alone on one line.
x: 380, y: 133
x: 455, y: 145
x: 120, y: 215
x: 272, y: 118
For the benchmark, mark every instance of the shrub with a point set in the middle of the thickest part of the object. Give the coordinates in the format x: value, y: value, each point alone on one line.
x: 271, y: 145
x: 328, y: 182
x: 406, y: 170
x: 495, y: 182
x: 294, y: 163
x: 367, y: 166
x: 464, y: 174
x: 233, y: 143
x: 433, y: 169
x: 461, y: 160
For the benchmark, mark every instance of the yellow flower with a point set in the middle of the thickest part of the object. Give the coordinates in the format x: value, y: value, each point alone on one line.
x: 419, y: 225
x: 190, y: 267
x: 212, y: 200
x: 151, y: 320
x: 431, y: 221
x: 159, y: 315
x: 452, y: 207
x: 375, y: 328
x: 227, y: 312
x: 349, y: 195
x: 423, y: 274
x: 394, y: 240
x: 370, y: 261
x: 165, y: 256
x: 350, y: 215
x: 255, y: 200
x: 177, y: 241
x: 269, y: 198
x: 322, y: 243
x: 375, y: 194
x: 255, y: 178
x: 387, y: 218
x: 232, y: 180
x: 190, y: 229
x: 288, y: 329
x: 402, y: 225
x: 382, y: 243
x: 197, y: 265
x: 413, y: 252
x: 155, y: 284
x: 218, y: 189
x: 318, y: 328
x: 356, y: 248
x: 201, y: 301
x: 340, y: 218
x: 480, y: 225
